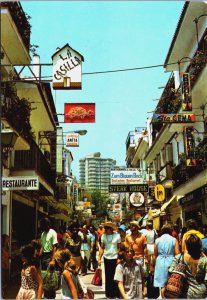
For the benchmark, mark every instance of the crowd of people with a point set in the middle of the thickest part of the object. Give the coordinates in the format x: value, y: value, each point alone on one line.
x: 137, y: 261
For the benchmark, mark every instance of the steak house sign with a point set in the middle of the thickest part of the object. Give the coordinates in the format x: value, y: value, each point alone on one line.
x: 67, y: 69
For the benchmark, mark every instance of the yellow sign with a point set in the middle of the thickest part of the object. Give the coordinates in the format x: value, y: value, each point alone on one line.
x: 86, y: 204
x: 159, y: 192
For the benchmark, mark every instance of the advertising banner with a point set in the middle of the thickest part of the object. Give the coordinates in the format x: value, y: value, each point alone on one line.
x: 137, y: 199
x: 79, y: 113
x: 67, y: 69
x: 189, y: 146
x: 173, y: 118
x: 126, y: 176
x: 186, y: 93
x: 72, y: 140
x: 128, y: 188
x: 20, y: 183
x: 159, y: 192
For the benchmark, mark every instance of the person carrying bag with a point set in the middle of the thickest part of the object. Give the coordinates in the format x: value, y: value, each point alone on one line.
x: 51, y: 279
x: 97, y: 278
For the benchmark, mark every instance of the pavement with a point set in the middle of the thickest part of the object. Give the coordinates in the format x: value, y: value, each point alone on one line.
x: 99, y: 291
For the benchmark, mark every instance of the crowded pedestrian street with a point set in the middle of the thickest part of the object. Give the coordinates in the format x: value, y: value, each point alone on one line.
x: 103, y: 149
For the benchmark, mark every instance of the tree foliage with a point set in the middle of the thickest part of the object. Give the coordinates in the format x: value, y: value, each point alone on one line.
x: 100, y: 204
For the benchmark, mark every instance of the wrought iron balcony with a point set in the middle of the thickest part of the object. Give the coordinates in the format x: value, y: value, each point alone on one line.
x: 35, y: 160
x: 16, y: 111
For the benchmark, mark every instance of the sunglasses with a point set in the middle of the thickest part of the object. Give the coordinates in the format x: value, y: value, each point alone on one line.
x: 106, y: 227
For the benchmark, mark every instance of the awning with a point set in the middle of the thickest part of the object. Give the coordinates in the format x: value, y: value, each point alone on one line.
x: 152, y: 213
x: 144, y: 221
x: 166, y: 204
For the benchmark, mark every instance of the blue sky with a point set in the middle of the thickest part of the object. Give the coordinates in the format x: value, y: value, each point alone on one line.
x: 110, y: 36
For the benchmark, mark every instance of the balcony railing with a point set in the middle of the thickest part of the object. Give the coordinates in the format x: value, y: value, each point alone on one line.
x: 34, y: 159
x: 182, y: 173
x: 130, y: 140
x: 16, y: 111
x: 170, y: 100
x: 20, y: 21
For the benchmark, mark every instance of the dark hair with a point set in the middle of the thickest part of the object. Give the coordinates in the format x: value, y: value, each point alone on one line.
x: 36, y: 244
x: 167, y: 228
x: 45, y: 224
x: 194, y: 246
x: 191, y: 224
x: 28, y: 252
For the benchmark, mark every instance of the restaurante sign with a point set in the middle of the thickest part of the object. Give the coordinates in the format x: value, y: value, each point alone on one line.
x: 20, y: 183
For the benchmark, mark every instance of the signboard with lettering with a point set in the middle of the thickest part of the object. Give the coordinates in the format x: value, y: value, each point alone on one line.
x: 20, y: 183
x: 72, y: 140
x: 186, y: 93
x: 190, y: 146
x: 79, y: 113
x: 137, y: 199
x: 173, y: 118
x: 67, y: 69
x: 128, y: 188
x: 159, y: 192
x: 126, y: 176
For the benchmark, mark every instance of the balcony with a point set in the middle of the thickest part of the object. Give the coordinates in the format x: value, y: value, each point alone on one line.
x: 33, y: 162
x: 181, y: 173
x: 16, y: 111
x: 20, y: 20
x: 170, y: 100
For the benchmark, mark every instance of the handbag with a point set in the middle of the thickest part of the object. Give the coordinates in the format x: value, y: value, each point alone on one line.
x: 51, y: 279
x: 176, y: 281
x: 97, y: 278
x: 83, y: 291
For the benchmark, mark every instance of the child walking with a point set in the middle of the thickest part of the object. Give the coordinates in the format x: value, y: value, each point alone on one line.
x: 129, y: 274
x: 31, y: 281
x: 69, y: 280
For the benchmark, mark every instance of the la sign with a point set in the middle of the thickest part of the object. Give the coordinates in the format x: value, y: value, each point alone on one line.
x: 67, y: 69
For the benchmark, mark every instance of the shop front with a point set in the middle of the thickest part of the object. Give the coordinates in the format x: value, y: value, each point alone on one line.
x: 194, y: 206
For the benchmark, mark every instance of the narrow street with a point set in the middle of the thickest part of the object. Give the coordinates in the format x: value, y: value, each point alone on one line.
x: 99, y: 292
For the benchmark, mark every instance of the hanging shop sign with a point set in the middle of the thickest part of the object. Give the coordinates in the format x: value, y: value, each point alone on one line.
x: 137, y: 199
x: 173, y: 118
x: 189, y: 146
x: 126, y: 176
x: 20, y: 183
x: 128, y: 188
x: 186, y: 93
x: 79, y: 113
x: 72, y: 140
x: 86, y: 204
x: 67, y: 69
x: 159, y: 192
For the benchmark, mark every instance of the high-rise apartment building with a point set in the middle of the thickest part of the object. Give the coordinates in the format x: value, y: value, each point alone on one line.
x: 95, y: 172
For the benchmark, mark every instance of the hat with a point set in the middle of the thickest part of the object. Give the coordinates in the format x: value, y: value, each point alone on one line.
x: 135, y: 223
x: 110, y: 224
x: 122, y: 227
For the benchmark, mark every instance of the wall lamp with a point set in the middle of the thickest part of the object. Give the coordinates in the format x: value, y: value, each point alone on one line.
x: 8, y: 140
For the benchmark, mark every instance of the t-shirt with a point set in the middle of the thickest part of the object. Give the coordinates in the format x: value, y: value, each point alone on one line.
x: 110, y: 242
x: 131, y: 276
x: 48, y: 240
x: 86, y: 246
